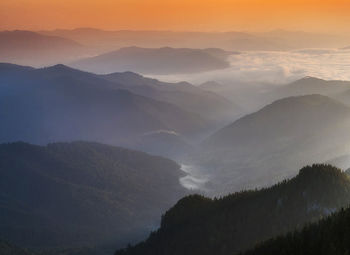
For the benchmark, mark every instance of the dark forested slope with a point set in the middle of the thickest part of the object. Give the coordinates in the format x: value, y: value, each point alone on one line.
x: 328, y: 236
x: 199, y: 225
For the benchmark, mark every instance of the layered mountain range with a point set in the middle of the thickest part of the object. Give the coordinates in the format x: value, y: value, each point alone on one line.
x: 59, y: 103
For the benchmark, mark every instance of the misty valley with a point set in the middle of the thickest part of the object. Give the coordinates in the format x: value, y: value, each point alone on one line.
x: 174, y: 143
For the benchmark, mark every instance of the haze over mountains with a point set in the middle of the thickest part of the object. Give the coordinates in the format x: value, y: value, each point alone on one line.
x: 182, y: 94
x: 234, y: 110
x: 274, y: 40
x: 65, y: 46
x: 156, y: 60
x: 252, y: 96
x: 267, y: 146
x: 30, y: 48
x: 63, y: 104
x: 312, y: 85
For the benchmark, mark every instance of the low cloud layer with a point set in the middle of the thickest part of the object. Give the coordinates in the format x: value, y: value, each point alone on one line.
x: 277, y: 67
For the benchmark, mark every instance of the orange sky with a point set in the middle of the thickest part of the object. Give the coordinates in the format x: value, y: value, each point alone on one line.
x: 203, y: 15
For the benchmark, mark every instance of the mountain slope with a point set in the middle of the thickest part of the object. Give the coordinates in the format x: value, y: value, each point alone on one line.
x: 82, y: 194
x: 227, y: 225
x: 328, y: 236
x: 30, y: 48
x: 287, y: 116
x: 181, y: 94
x: 156, y: 60
x: 292, y: 131
x: 62, y: 104
x: 311, y: 85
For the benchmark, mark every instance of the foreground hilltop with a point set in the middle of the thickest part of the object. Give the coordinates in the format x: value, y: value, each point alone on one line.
x: 200, y: 225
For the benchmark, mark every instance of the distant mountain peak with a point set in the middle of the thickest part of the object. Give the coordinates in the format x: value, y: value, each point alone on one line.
x: 61, y: 68
x: 312, y: 100
x: 309, y: 78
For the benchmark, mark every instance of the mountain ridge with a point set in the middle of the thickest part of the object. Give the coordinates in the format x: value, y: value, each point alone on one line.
x: 31, y: 48
x: 165, y: 60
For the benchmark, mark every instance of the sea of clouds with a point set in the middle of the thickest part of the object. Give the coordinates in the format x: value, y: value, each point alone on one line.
x: 276, y: 67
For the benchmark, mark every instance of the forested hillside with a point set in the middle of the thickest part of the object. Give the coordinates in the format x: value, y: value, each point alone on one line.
x: 328, y: 236
x: 227, y: 225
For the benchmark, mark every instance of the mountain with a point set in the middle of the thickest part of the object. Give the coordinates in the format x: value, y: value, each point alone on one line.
x: 254, y: 95
x: 266, y: 146
x: 182, y: 94
x: 82, y: 194
x: 63, y: 104
x: 110, y: 40
x: 328, y: 236
x: 232, y: 40
x: 311, y: 85
x: 234, y: 223
x: 156, y: 60
x: 30, y: 48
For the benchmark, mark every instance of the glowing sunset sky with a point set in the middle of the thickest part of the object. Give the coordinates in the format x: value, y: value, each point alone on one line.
x: 197, y: 15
